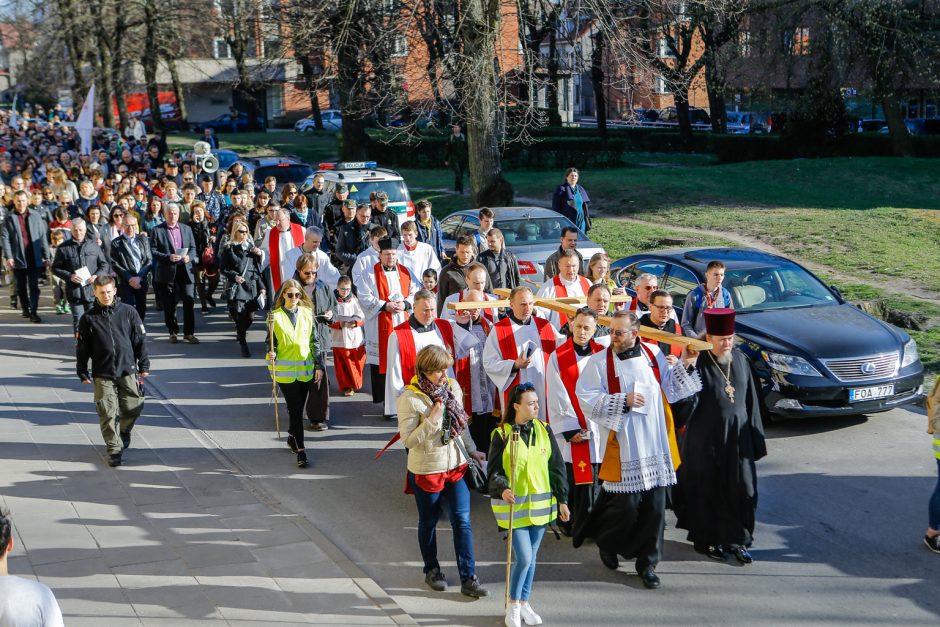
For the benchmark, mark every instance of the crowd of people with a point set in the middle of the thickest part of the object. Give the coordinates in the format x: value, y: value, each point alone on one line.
x: 587, y: 424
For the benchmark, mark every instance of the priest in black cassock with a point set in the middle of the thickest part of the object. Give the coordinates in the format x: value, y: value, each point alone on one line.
x: 724, y: 437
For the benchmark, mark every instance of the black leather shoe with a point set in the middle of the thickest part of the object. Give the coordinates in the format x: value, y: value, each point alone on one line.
x: 609, y: 560
x: 649, y: 578
x: 126, y: 439
x: 301, y: 459
x: 292, y: 443
x: 35, y: 318
x: 741, y: 554
x: 245, y: 351
x: 715, y: 552
x: 114, y: 460
x: 435, y: 580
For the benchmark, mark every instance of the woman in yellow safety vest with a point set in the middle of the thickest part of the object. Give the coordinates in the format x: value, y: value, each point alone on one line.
x: 293, y: 362
x: 538, y: 487
x: 932, y: 538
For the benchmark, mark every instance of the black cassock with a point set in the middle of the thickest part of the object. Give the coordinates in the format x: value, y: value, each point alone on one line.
x: 717, y: 498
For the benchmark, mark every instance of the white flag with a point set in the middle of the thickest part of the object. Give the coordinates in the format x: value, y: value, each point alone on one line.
x: 14, y: 117
x: 86, y: 120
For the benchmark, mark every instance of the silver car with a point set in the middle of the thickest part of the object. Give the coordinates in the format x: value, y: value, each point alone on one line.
x: 532, y: 235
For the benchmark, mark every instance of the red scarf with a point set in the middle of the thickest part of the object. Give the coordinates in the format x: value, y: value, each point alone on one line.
x: 507, y: 345
x: 561, y: 291
x: 385, y: 317
x: 297, y: 233
x: 568, y: 368
x: 406, y: 346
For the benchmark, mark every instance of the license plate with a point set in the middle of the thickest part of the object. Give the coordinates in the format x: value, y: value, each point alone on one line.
x: 868, y: 394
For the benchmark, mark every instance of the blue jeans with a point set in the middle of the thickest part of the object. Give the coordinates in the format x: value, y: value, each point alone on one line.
x: 935, y: 503
x: 456, y: 497
x: 525, y: 551
x: 78, y: 308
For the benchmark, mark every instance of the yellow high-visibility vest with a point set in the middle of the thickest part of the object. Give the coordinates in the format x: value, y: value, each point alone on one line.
x: 296, y: 360
x: 936, y: 448
x: 535, y: 505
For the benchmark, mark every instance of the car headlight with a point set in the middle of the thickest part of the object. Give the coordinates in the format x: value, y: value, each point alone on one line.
x: 911, y: 354
x: 790, y: 364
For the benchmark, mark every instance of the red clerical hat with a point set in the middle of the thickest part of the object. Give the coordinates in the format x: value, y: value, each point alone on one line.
x: 719, y: 321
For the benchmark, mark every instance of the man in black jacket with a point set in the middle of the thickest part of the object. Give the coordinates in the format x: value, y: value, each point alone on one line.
x: 131, y: 260
x: 453, y: 277
x: 26, y: 250
x: 353, y: 238
x: 174, y: 251
x: 383, y: 216
x: 500, y: 264
x: 112, y: 336
x: 78, y: 262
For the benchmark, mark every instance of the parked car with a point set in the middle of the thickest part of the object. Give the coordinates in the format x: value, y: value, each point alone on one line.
x: 776, y: 122
x: 226, y: 157
x: 923, y: 126
x: 362, y: 178
x: 225, y: 123
x: 284, y: 169
x: 872, y: 126
x: 332, y: 121
x: 531, y: 233
x: 745, y: 123
x: 813, y: 353
x: 696, y: 115
x: 640, y: 115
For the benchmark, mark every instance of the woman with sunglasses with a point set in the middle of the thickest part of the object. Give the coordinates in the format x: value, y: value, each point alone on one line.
x: 240, y: 263
x: 293, y: 362
x: 437, y: 464
x: 537, y: 487
x: 288, y: 194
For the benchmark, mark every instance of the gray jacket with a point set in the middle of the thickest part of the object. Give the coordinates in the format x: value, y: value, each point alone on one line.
x: 551, y: 264
x: 323, y: 301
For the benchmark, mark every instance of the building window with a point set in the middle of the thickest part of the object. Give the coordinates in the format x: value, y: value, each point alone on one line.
x: 399, y: 46
x: 272, y: 48
x: 796, y: 41
x: 275, y: 97
x: 659, y: 86
x: 221, y: 49
x: 665, y: 52
x: 566, y: 101
x: 744, y: 43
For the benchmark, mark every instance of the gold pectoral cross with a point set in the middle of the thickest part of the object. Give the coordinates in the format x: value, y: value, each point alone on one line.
x: 729, y: 390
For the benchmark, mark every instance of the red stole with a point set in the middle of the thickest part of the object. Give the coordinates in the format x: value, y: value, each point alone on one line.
x: 406, y: 346
x: 462, y: 371
x: 385, y: 317
x: 507, y: 345
x: 633, y: 304
x: 561, y: 291
x: 297, y: 234
x: 568, y: 368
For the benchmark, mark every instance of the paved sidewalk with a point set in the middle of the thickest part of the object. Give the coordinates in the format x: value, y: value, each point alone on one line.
x: 173, y: 537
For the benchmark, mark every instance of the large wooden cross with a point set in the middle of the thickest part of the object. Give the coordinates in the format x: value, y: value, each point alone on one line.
x: 569, y: 305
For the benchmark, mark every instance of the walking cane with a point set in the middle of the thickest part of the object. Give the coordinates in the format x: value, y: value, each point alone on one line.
x: 513, y: 442
x: 270, y: 321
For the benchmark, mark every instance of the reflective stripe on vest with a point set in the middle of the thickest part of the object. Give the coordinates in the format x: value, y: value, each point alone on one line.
x: 295, y: 361
x: 535, y: 505
x: 936, y: 448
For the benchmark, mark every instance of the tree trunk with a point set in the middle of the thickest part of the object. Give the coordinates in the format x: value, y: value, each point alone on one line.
x: 311, y: 86
x: 351, y: 98
x: 554, y: 116
x: 178, y: 93
x: 74, y: 49
x: 901, y: 144
x: 681, y: 97
x: 478, y: 33
x: 102, y: 75
x: 149, y: 62
x: 597, y: 82
x: 117, y: 61
x: 715, y: 86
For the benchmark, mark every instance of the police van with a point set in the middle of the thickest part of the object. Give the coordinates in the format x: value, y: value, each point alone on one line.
x: 362, y: 178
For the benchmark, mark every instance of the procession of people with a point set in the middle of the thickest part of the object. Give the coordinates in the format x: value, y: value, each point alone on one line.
x: 597, y: 430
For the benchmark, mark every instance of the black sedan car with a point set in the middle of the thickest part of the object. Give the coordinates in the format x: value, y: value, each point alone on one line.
x: 813, y: 353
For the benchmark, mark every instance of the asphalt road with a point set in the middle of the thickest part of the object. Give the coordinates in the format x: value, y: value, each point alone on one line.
x: 843, y: 508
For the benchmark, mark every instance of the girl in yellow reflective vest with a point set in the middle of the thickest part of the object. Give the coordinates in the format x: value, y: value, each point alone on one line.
x: 293, y: 363
x: 538, y: 491
x: 932, y: 537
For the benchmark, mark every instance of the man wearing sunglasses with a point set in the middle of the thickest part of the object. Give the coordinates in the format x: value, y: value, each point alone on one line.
x: 644, y: 286
x: 623, y: 393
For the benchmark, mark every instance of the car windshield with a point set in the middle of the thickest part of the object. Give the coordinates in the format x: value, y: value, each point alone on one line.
x: 226, y: 158
x: 779, y: 287
x: 526, y: 231
x: 284, y: 173
x: 397, y: 190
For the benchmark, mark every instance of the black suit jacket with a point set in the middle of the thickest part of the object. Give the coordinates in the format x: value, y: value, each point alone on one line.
x: 164, y: 270
x: 122, y: 261
x: 72, y: 255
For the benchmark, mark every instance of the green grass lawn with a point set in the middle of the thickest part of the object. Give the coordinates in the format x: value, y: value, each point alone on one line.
x: 309, y: 148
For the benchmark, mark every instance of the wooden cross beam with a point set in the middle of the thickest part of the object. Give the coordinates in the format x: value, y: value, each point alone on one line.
x: 504, y: 302
x: 559, y: 305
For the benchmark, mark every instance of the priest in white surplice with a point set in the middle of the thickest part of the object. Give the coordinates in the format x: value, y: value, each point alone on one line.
x: 414, y: 255
x: 476, y: 277
x: 422, y: 328
x: 621, y: 393
x: 577, y: 441
x: 566, y: 283
x: 519, y: 346
x: 385, y: 295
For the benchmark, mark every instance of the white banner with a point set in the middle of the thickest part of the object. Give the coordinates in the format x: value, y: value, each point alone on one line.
x: 86, y: 120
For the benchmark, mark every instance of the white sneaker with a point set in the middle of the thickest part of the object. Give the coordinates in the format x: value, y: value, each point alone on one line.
x: 512, y: 615
x: 529, y: 615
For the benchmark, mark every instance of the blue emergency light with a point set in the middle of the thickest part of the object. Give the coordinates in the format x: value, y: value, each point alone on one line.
x: 350, y: 165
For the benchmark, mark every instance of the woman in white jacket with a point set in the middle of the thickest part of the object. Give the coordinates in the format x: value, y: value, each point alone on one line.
x: 431, y: 419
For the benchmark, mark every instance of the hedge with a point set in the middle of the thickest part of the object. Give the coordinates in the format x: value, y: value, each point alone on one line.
x: 737, y: 148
